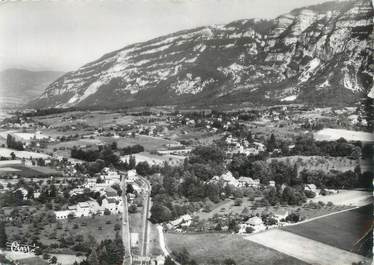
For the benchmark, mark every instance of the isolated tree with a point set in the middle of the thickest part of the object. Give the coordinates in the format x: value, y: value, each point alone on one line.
x: 117, y: 227
x: 132, y: 208
x: 271, y: 144
x: 114, y: 146
x: 18, y: 197
x: 160, y: 213
x: 129, y: 188
x: 213, y: 192
x: 53, y: 260
x: 143, y: 168
x: 132, y: 162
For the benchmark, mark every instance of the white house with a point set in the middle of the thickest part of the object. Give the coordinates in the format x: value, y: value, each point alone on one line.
x: 91, y: 183
x: 227, y: 179
x: 256, y: 223
x: 184, y: 220
x: 248, y: 182
x: 281, y: 214
x: 111, y: 177
x: 131, y: 175
x: 310, y: 187
x: 83, y: 209
x: 63, y: 214
x: 76, y: 191
x: 113, y: 205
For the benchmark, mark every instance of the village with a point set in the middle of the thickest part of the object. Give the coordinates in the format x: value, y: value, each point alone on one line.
x: 255, y: 171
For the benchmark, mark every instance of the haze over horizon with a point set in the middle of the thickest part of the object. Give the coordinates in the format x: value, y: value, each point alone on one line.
x: 62, y: 36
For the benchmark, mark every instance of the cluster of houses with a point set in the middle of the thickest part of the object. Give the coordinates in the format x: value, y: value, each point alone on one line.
x: 19, y: 123
x: 256, y: 223
x: 228, y: 179
x: 253, y: 224
x: 242, y: 146
x: 112, y: 202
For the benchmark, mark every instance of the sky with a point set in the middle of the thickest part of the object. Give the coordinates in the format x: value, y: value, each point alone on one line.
x: 64, y: 35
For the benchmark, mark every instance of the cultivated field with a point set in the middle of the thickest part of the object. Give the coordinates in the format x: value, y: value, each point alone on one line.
x: 341, y: 230
x: 101, y: 227
x: 214, y: 248
x: 305, y: 249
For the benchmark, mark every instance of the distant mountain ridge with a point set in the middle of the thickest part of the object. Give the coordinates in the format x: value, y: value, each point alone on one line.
x: 321, y: 54
x: 18, y: 86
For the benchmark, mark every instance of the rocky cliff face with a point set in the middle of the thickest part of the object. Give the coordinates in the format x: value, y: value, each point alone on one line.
x: 320, y: 54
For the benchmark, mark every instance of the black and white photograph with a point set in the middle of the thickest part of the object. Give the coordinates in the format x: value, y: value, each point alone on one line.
x: 186, y: 132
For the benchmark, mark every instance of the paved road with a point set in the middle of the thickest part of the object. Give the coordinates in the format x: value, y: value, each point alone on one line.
x: 162, y: 240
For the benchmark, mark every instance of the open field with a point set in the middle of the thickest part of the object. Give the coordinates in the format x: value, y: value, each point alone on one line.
x: 93, y: 118
x: 341, y: 230
x: 5, y: 152
x: 334, y: 134
x: 347, y: 197
x: 64, y: 148
x: 67, y: 259
x: 213, y: 248
x: 305, y: 249
x: 150, y: 143
x: 24, y: 171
